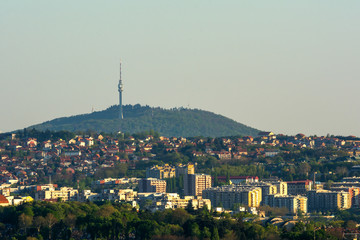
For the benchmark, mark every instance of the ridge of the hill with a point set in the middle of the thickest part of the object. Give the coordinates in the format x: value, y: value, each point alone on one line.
x: 168, y: 122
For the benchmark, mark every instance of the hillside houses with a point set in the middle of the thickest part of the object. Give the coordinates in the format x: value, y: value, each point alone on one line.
x: 88, y: 154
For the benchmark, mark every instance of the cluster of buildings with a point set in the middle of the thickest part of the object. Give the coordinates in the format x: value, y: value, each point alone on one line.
x: 296, y: 196
x: 22, y: 160
x: 194, y: 183
x: 273, y: 193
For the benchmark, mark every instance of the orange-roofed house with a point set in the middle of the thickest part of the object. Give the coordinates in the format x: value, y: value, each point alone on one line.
x: 3, y: 201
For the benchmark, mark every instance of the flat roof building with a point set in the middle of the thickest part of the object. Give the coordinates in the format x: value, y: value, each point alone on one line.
x: 292, y: 203
x: 152, y: 185
x: 325, y: 200
x: 231, y: 195
x: 194, y: 184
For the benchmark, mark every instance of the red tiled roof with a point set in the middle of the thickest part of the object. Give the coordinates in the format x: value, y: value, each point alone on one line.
x: 3, y: 199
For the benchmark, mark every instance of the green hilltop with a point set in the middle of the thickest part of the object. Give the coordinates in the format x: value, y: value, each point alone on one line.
x: 168, y: 122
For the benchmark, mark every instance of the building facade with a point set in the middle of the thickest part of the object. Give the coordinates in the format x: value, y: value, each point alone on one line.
x: 299, y: 187
x: 152, y: 185
x: 230, y: 196
x: 353, y: 191
x: 194, y: 184
x: 160, y: 172
x: 62, y: 194
x: 281, y: 187
x: 292, y: 203
x: 266, y: 188
x: 182, y: 170
x: 325, y: 200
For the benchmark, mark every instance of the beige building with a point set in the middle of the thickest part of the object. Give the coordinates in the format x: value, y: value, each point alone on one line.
x: 152, y: 185
x: 292, y: 203
x: 63, y: 194
x: 281, y: 187
x: 117, y: 195
x: 5, y: 191
x: 160, y: 172
x: 325, y: 200
x: 353, y: 191
x: 266, y: 188
x: 230, y: 195
x: 194, y: 184
x: 173, y: 201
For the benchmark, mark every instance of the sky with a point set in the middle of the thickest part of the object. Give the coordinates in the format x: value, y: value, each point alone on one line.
x: 283, y: 66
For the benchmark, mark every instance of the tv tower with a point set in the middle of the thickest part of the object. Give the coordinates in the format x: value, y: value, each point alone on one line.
x: 120, y: 88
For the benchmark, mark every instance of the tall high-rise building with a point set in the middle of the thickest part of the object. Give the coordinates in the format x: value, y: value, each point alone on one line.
x: 184, y: 169
x: 120, y: 89
x: 194, y: 184
x: 152, y: 185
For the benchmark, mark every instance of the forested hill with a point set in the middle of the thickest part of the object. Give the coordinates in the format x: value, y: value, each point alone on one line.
x: 168, y: 122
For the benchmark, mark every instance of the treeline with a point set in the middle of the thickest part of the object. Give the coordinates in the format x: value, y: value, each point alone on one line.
x: 45, y: 135
x: 75, y: 220
x: 174, y: 122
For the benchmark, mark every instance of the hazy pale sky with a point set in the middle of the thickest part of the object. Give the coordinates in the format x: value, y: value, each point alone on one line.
x: 284, y: 66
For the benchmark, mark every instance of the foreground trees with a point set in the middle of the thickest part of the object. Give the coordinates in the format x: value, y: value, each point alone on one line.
x: 75, y: 220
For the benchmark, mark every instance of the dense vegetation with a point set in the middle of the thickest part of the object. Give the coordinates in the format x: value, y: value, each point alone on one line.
x: 75, y: 220
x: 168, y: 122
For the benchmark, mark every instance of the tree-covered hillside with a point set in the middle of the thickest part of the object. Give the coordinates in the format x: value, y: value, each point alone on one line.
x: 137, y: 118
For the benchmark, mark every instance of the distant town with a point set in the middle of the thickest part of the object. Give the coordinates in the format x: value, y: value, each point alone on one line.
x: 293, y: 178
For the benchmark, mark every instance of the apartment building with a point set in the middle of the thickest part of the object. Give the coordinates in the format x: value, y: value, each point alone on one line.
x: 326, y: 200
x: 292, y: 203
x: 266, y: 188
x: 184, y: 169
x: 173, y: 201
x: 230, y: 195
x: 299, y: 187
x: 152, y: 185
x: 353, y: 191
x: 63, y: 194
x: 194, y: 184
x: 281, y: 187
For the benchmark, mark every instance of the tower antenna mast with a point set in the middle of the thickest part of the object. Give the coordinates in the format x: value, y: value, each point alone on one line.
x: 120, y: 89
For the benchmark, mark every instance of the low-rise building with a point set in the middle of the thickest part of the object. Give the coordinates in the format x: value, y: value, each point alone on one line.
x: 161, y: 201
x: 63, y: 194
x: 3, y: 201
